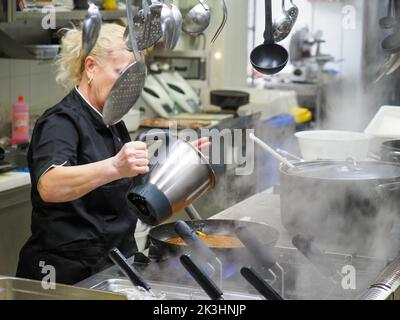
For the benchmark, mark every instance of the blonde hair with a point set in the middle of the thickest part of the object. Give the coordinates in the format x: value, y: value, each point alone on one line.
x: 71, y: 62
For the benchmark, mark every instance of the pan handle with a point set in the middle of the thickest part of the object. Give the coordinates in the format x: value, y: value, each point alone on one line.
x: 260, y: 252
x: 192, y: 213
x: 260, y: 284
x: 205, y: 282
x: 119, y: 260
x: 194, y: 242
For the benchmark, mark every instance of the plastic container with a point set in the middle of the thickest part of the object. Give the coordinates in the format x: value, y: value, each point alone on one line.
x: 301, y: 115
x: 331, y: 144
x: 20, y: 122
x: 383, y: 127
x: 110, y: 4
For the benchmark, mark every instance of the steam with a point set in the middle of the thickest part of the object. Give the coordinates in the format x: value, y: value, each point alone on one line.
x: 356, y: 97
x: 350, y: 104
x: 348, y: 219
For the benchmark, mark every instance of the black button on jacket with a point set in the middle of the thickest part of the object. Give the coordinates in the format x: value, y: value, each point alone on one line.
x: 75, y: 236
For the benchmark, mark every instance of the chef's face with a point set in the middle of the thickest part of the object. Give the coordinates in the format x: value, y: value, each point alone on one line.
x: 105, y: 73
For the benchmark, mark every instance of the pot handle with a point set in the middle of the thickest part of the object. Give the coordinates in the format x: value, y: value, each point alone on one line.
x: 394, y: 156
x: 385, y: 188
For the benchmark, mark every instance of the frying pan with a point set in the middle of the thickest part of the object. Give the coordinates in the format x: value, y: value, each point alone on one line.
x: 159, y: 235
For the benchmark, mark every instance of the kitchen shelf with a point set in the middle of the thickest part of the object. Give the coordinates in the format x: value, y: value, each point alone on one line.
x: 9, y: 14
x: 69, y: 15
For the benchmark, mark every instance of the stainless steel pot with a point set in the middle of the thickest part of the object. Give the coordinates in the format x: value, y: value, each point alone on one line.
x: 340, y: 203
x: 179, y: 174
x: 390, y: 151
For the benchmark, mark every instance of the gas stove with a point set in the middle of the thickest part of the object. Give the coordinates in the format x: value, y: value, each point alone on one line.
x: 334, y: 274
x: 294, y: 276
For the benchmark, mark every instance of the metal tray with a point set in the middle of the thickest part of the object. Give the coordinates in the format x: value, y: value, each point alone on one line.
x: 24, y: 289
x: 171, y: 292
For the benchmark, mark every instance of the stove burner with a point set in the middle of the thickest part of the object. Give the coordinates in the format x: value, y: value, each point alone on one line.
x: 293, y: 276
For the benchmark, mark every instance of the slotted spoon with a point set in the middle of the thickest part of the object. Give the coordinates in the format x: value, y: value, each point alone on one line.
x: 129, y: 86
x: 147, y: 25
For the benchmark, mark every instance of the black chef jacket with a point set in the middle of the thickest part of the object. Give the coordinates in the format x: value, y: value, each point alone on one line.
x: 74, y: 237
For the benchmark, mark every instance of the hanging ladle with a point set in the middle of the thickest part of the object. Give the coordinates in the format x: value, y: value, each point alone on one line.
x: 269, y: 58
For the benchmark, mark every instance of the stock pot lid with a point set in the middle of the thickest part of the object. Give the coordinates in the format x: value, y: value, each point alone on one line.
x: 345, y: 170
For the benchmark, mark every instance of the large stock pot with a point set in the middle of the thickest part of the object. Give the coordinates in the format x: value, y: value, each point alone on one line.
x: 341, y: 203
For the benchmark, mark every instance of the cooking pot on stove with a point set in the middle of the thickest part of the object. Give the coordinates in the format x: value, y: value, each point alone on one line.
x: 179, y: 174
x: 343, y: 204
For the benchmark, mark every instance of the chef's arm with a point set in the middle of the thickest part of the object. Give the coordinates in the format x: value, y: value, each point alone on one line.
x: 63, y: 184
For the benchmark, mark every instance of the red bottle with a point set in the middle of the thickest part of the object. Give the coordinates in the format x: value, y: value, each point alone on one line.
x: 20, y: 122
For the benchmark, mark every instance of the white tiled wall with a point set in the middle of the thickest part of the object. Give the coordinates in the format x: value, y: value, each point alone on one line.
x: 35, y: 80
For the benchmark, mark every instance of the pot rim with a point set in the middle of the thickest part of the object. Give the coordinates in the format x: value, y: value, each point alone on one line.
x: 284, y: 169
x: 345, y: 136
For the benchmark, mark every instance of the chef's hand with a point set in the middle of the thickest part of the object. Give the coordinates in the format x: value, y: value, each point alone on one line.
x: 132, y: 160
x: 201, y: 143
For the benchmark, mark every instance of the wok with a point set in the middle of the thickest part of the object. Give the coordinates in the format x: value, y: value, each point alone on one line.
x: 159, y: 235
